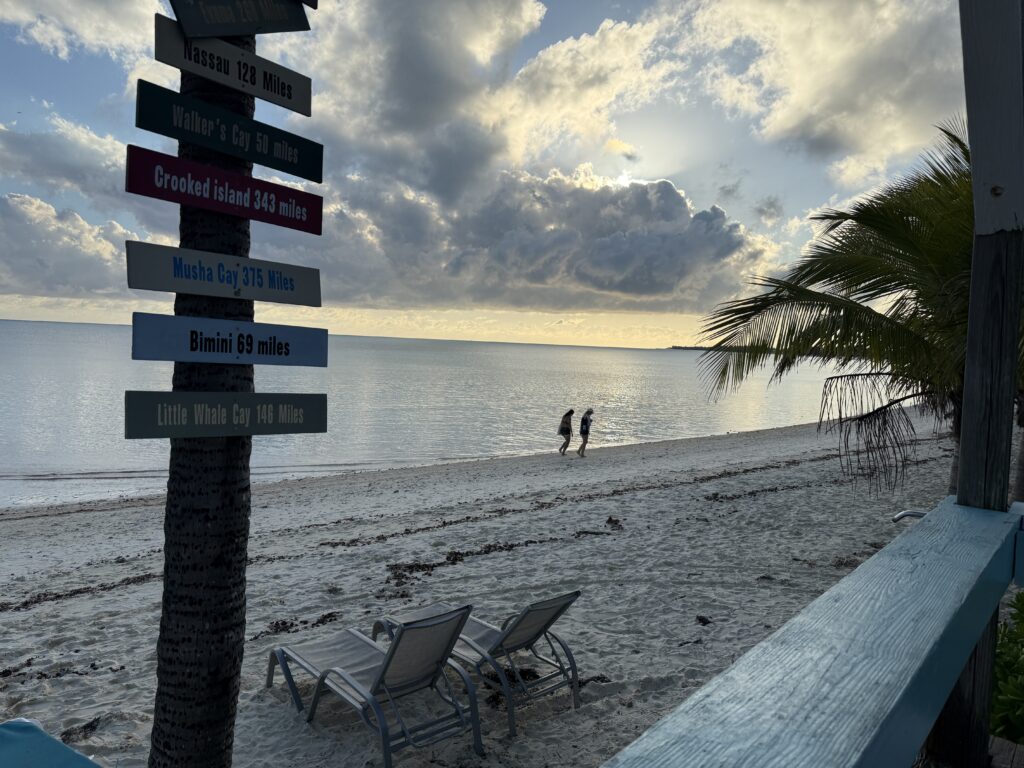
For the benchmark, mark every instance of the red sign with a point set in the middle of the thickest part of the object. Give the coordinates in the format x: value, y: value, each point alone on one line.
x: 166, y: 177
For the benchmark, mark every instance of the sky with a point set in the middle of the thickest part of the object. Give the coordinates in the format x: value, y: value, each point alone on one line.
x: 590, y: 172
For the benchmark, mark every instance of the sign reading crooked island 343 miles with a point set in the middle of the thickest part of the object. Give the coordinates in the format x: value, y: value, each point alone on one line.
x: 166, y: 177
x: 221, y: 414
x: 202, y: 340
x: 231, y: 66
x: 164, y: 111
x: 183, y: 270
x: 223, y: 18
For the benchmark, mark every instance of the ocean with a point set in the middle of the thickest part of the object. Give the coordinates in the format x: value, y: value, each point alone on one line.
x: 391, y: 402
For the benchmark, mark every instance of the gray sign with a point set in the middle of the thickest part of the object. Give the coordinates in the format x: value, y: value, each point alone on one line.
x: 169, y: 113
x: 183, y: 270
x: 224, y: 18
x: 231, y: 66
x: 310, y: 3
x: 202, y: 340
x: 221, y: 414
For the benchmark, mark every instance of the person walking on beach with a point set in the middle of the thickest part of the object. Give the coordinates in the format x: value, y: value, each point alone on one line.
x: 585, y: 422
x: 565, y: 430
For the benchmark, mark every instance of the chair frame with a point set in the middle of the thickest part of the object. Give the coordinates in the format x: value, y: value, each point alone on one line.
x: 370, y: 701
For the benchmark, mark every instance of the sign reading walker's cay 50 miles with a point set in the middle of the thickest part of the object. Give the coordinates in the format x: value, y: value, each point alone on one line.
x: 183, y: 270
x: 231, y: 66
x: 166, y: 177
x: 164, y: 111
x: 223, y: 18
x: 221, y: 414
x: 203, y: 340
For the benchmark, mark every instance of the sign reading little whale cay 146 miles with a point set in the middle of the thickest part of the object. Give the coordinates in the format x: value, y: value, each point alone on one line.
x: 166, y: 177
x: 169, y: 113
x: 204, y: 340
x: 184, y: 270
x: 224, y: 18
x: 221, y: 414
x: 229, y: 65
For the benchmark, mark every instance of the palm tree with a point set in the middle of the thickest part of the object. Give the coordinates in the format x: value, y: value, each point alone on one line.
x: 880, y: 295
x: 206, y: 521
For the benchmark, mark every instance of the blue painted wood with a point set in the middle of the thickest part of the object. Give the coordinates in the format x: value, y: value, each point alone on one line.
x: 202, y: 340
x: 858, y: 677
x: 1018, y: 561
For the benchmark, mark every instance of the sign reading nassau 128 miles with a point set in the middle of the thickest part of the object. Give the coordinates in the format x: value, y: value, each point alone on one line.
x: 166, y: 177
x: 169, y: 113
x: 223, y: 18
x: 221, y: 414
x: 229, y: 65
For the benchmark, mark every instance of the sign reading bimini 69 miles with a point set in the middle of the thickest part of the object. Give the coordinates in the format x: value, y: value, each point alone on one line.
x: 166, y: 177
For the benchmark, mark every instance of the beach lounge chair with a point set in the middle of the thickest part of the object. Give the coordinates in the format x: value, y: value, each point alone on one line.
x: 24, y: 744
x: 488, y: 648
x: 372, y: 678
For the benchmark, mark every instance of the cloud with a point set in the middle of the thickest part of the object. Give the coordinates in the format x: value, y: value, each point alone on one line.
x: 730, y: 191
x: 858, y: 84
x: 769, y: 209
x: 622, y: 148
x: 49, y: 252
x: 61, y: 27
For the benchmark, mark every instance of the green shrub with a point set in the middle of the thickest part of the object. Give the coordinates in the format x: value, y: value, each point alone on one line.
x: 1008, y: 694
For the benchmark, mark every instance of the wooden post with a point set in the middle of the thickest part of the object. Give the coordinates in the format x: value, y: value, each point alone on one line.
x: 994, y: 84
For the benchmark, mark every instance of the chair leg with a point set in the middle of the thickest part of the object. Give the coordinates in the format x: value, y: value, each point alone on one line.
x: 574, y: 680
x: 506, y: 691
x: 385, y: 741
x: 278, y: 657
x: 474, y: 711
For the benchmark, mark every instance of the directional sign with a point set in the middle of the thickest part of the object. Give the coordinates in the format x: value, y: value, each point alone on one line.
x: 224, y: 18
x: 202, y: 340
x: 166, y: 177
x: 183, y: 270
x: 229, y: 65
x: 310, y: 3
x: 221, y: 414
x: 169, y: 113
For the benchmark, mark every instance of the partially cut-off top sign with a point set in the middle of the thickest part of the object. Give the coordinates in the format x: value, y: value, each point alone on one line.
x: 226, y: 18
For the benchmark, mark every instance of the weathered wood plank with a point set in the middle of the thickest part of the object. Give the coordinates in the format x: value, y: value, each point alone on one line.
x: 990, y: 377
x: 858, y: 677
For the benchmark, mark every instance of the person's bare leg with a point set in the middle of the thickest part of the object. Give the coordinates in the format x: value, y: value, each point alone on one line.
x: 565, y: 445
x: 583, y: 445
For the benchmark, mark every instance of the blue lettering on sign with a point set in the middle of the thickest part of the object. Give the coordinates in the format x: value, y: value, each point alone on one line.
x: 228, y: 276
x: 280, y: 282
x: 184, y: 270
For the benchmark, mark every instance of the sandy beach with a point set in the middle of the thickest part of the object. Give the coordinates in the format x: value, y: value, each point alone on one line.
x: 741, y: 530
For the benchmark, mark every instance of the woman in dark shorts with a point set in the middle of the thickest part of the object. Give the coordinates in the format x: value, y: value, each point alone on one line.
x: 565, y: 430
x: 585, y: 430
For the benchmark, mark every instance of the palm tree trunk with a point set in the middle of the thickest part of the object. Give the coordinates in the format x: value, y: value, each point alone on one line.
x: 1017, y: 494
x: 206, y: 523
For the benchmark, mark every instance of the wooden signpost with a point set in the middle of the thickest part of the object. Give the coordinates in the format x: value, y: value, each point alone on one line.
x: 213, y: 411
x: 166, y: 177
x: 232, y: 66
x: 200, y: 340
x: 225, y: 18
x: 220, y: 414
x: 183, y: 270
x: 167, y: 112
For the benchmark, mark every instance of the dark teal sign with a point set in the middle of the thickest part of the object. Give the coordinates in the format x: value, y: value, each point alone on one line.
x: 225, y: 18
x: 197, y: 122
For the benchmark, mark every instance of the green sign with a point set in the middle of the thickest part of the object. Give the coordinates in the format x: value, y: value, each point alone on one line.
x: 221, y: 414
x: 165, y: 112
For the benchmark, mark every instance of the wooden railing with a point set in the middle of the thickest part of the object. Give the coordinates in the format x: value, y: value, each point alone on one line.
x: 859, y: 676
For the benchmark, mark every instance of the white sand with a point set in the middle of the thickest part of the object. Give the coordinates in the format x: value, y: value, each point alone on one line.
x: 744, y: 529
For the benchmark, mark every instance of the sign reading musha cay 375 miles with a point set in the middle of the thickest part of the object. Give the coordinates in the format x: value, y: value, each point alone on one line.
x: 166, y: 177
x: 231, y: 66
x: 203, y: 273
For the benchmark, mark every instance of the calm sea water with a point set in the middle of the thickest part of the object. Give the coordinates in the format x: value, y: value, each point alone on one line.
x: 392, y: 402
